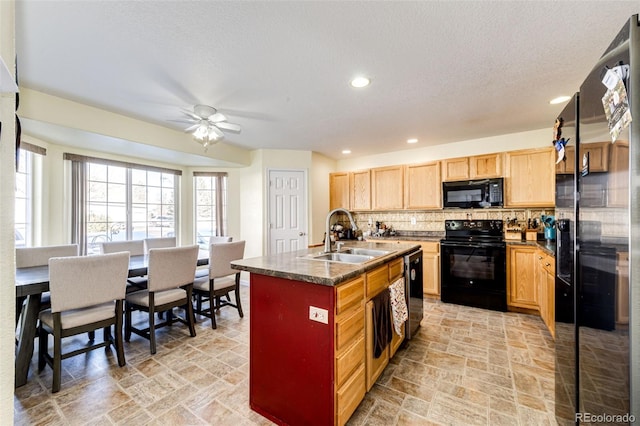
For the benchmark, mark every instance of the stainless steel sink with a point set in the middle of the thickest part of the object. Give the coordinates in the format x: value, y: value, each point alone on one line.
x: 365, y: 251
x: 342, y: 257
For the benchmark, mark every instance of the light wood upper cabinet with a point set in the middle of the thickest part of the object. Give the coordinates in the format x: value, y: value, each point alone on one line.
x: 423, y: 189
x: 618, y: 182
x: 530, y: 178
x: 476, y: 167
x: 360, y: 190
x: 455, y: 169
x: 485, y: 166
x: 387, y: 188
x: 598, y: 156
x: 339, y: 190
x: 522, y: 285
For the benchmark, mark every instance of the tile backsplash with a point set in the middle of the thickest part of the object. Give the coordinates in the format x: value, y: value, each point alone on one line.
x: 434, y: 220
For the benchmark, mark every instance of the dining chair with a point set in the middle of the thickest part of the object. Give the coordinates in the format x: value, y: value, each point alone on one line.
x: 221, y: 280
x: 135, y: 248
x: 27, y: 257
x: 217, y: 239
x: 151, y: 243
x: 87, y: 294
x: 204, y: 272
x: 171, y: 274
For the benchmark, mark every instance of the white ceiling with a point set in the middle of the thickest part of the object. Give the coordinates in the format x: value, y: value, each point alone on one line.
x: 441, y: 71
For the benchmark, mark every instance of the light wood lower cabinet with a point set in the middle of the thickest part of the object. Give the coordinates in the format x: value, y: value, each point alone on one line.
x: 622, y: 288
x: 431, y: 268
x: 522, y: 287
x: 350, y: 384
x: 545, y: 278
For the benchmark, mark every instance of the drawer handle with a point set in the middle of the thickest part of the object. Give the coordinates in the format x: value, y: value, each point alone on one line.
x: 548, y: 264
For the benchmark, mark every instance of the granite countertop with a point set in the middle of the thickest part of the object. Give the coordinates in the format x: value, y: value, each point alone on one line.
x: 410, y: 236
x: 548, y: 246
x: 294, y: 265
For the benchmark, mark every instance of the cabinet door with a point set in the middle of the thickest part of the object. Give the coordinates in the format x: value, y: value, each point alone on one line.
x: 360, y: 189
x: 551, y: 303
x: 455, y: 169
x: 541, y: 284
x: 431, y: 273
x: 423, y: 189
x: 530, y: 180
x: 567, y: 166
x: 485, y: 166
x: 598, y: 155
x: 622, y: 288
x: 522, y: 289
x: 387, y: 188
x: 618, y: 182
x: 339, y: 190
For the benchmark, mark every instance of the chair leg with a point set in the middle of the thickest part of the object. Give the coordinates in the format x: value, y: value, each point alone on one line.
x: 19, y: 302
x: 43, y: 340
x: 57, y: 363
x: 127, y: 322
x: 118, y: 331
x: 92, y: 335
x: 238, y: 304
x: 212, y: 313
x: 191, y: 317
x: 152, y: 331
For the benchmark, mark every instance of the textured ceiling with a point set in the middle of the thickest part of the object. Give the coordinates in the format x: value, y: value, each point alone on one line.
x: 441, y: 71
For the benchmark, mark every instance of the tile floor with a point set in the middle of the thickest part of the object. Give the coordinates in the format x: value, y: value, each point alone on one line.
x: 466, y: 366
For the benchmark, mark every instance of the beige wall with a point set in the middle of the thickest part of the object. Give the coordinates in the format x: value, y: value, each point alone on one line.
x: 7, y: 237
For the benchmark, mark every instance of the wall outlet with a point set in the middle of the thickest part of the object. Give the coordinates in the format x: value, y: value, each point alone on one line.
x: 319, y: 315
x: 413, y: 221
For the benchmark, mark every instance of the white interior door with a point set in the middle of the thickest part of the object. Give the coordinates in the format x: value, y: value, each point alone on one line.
x: 287, y: 211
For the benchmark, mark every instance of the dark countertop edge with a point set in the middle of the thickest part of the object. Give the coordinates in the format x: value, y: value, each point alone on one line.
x: 358, y: 269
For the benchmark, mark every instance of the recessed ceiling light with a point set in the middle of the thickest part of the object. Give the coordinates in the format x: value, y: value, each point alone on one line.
x: 359, y: 82
x: 559, y: 100
x: 346, y: 151
x: 412, y: 140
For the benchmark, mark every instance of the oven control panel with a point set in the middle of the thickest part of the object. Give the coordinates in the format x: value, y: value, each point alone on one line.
x: 473, y: 228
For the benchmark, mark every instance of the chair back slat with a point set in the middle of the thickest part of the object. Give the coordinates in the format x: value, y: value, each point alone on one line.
x: 82, y: 281
x: 172, y: 267
x: 220, y: 257
x: 134, y: 247
x: 152, y: 243
x: 27, y: 257
x: 219, y: 240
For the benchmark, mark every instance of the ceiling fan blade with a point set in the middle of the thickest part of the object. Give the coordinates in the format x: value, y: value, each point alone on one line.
x: 217, y: 132
x: 192, y: 128
x: 191, y: 114
x: 230, y: 126
x: 217, y: 117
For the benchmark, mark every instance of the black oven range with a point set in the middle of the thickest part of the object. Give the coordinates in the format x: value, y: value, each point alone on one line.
x: 473, y: 264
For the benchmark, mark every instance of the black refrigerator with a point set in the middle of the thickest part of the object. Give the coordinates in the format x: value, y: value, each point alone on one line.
x: 598, y: 242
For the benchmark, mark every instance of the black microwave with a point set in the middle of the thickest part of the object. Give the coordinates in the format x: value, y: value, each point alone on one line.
x: 472, y: 194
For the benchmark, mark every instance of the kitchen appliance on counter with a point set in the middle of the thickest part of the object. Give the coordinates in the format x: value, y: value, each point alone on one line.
x: 413, y: 291
x: 473, y: 194
x: 473, y: 264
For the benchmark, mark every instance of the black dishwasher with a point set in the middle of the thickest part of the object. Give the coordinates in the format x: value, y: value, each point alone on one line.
x: 413, y: 291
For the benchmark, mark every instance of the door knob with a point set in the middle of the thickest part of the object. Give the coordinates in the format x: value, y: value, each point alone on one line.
x: 301, y: 234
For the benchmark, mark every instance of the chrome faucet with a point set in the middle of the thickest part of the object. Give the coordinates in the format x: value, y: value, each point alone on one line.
x: 327, y: 238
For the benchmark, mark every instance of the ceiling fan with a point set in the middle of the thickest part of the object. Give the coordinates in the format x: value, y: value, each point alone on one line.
x: 208, y: 124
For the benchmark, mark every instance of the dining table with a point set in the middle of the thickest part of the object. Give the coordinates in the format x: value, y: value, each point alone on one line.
x: 31, y: 282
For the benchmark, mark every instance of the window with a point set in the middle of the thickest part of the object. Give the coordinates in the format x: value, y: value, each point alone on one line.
x: 116, y: 201
x: 23, y: 199
x: 210, y: 206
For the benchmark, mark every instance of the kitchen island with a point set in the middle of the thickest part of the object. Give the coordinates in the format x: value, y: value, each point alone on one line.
x: 311, y: 332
